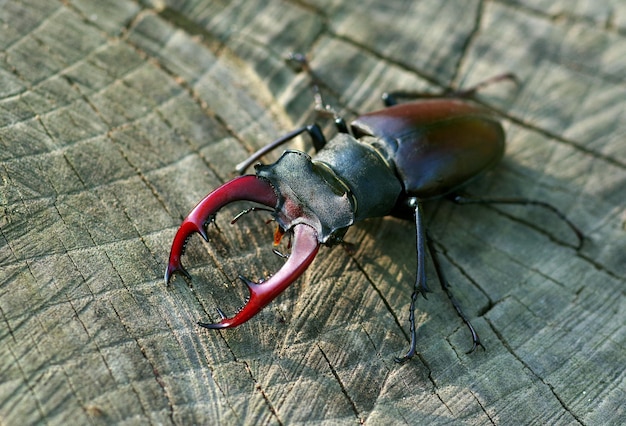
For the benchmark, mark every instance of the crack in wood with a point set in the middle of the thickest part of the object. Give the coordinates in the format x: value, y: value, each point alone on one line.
x: 344, y: 391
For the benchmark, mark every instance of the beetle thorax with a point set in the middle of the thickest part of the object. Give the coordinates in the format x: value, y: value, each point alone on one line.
x: 358, y: 165
x: 346, y: 182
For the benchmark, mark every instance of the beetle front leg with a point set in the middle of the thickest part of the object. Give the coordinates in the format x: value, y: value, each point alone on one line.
x: 314, y: 131
x: 420, y: 281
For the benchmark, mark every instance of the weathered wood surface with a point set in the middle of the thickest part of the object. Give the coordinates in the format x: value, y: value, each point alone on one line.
x: 117, y: 117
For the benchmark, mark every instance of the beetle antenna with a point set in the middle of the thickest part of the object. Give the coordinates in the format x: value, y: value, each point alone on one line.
x: 298, y: 63
x: 249, y: 210
x: 279, y: 254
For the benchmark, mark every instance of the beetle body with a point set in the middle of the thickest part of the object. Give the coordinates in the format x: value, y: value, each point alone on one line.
x: 424, y: 150
x: 435, y: 145
x: 384, y: 162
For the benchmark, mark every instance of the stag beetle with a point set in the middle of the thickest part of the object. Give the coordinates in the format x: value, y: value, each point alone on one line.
x: 386, y: 162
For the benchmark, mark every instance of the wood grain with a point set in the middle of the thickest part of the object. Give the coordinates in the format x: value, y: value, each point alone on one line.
x: 117, y: 117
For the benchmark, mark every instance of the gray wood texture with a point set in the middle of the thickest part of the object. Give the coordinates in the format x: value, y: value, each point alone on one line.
x: 116, y: 117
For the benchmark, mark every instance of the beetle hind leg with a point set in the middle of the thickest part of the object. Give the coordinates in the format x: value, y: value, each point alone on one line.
x: 423, y: 241
x: 392, y: 98
x: 455, y: 303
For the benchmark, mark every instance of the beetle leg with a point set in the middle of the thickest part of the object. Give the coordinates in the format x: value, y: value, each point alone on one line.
x: 446, y: 288
x: 248, y: 188
x: 305, y: 247
x: 463, y: 199
x: 300, y: 63
x: 391, y: 98
x: 420, y: 282
x: 313, y: 130
x: 471, y: 91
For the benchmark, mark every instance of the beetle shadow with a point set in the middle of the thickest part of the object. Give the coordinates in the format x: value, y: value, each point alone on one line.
x: 511, y: 181
x: 461, y: 234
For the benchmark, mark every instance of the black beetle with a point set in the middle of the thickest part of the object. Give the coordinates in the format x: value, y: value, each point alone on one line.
x: 384, y: 163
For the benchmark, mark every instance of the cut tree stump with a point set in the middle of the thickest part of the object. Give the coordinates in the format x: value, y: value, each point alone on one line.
x: 117, y: 117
